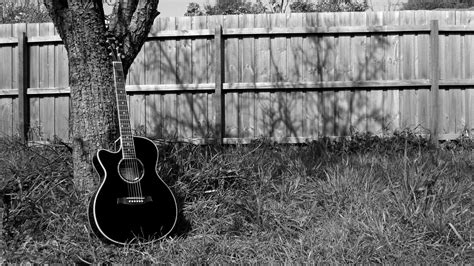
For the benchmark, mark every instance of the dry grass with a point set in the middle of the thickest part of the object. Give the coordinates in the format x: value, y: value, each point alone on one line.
x: 394, y: 200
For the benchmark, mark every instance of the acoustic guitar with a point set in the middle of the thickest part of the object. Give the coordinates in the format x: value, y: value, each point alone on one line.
x: 132, y: 203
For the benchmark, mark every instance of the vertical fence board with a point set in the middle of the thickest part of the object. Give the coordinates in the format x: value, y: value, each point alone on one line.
x: 262, y: 65
x: 15, y: 117
x: 168, y: 76
x: 246, y: 100
x: 17, y: 30
x: 447, y: 49
x: 199, y: 75
x: 184, y: 53
x: 216, y: 122
x: 312, y: 72
x: 152, y: 68
x: 184, y: 115
x: 6, y: 118
x: 358, y: 62
x: 200, y: 115
x: 137, y: 110
x: 61, y: 117
x: 458, y: 67
x: 199, y: 52
x: 278, y: 67
x: 6, y: 64
x: 343, y: 72
x: 169, y: 116
x: 137, y: 71
x: 152, y: 56
x: 153, y: 115
x: 168, y: 55
x: 212, y: 23
x: 46, y: 117
x: 408, y: 97
x: 468, y: 73
x: 61, y: 69
x: 422, y: 72
x: 46, y: 80
x: 453, y: 60
x: 35, y: 126
x: 329, y: 52
x: 6, y: 82
x: 392, y: 67
x: 43, y: 62
x: 295, y: 123
x: 61, y: 80
x: 231, y: 76
x: 375, y: 70
x: 185, y: 110
x: 278, y: 73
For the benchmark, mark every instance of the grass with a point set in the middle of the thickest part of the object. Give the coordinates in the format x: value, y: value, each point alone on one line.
x: 368, y: 199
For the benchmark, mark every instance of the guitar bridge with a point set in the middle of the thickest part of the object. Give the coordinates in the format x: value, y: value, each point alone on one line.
x: 134, y: 200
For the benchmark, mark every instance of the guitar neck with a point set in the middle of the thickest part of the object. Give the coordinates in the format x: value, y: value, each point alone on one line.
x: 128, y: 148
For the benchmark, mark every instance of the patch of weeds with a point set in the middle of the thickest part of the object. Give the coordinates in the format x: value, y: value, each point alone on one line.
x: 364, y: 199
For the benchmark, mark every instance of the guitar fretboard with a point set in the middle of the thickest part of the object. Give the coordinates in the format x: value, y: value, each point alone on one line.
x: 128, y: 147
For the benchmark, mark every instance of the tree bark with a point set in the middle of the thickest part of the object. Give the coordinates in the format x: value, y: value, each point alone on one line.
x: 93, y: 117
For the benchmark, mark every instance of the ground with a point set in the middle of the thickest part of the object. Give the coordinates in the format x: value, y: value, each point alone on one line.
x: 368, y: 199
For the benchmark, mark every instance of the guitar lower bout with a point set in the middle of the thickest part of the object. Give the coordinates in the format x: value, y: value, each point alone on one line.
x: 132, y: 203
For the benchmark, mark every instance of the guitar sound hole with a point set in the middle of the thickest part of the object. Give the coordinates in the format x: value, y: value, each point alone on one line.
x: 131, y: 170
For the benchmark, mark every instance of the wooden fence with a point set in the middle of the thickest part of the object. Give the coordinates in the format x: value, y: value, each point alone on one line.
x: 289, y: 77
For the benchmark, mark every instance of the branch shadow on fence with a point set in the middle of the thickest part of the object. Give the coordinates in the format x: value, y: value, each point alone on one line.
x: 281, y: 111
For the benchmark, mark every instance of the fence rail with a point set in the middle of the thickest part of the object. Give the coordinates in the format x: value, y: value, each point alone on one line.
x: 290, y: 78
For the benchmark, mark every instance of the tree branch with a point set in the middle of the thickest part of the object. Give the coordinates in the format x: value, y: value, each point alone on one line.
x: 130, y: 24
x: 140, y: 25
x: 57, y: 10
x: 121, y: 16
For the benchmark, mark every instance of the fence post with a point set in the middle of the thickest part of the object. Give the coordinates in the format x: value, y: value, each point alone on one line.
x: 219, y: 83
x: 434, y: 76
x: 23, y: 110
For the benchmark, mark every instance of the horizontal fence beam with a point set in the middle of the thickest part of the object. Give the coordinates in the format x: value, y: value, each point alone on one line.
x: 289, y: 31
x: 8, y: 40
x: 288, y: 140
x: 263, y: 86
x: 236, y: 141
x: 182, y: 33
x: 327, y: 30
x: 327, y: 85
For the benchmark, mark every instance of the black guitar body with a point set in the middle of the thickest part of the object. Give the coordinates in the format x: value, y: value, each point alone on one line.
x: 130, y: 208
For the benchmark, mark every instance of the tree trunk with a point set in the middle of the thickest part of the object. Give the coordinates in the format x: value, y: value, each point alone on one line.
x: 93, y: 119
x: 81, y: 25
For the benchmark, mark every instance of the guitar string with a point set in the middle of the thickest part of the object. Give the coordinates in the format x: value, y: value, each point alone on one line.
x: 131, y: 164
x: 135, y: 173
x: 138, y: 175
x: 122, y: 144
x: 128, y: 161
x: 133, y: 187
x: 127, y: 166
x: 140, y: 180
